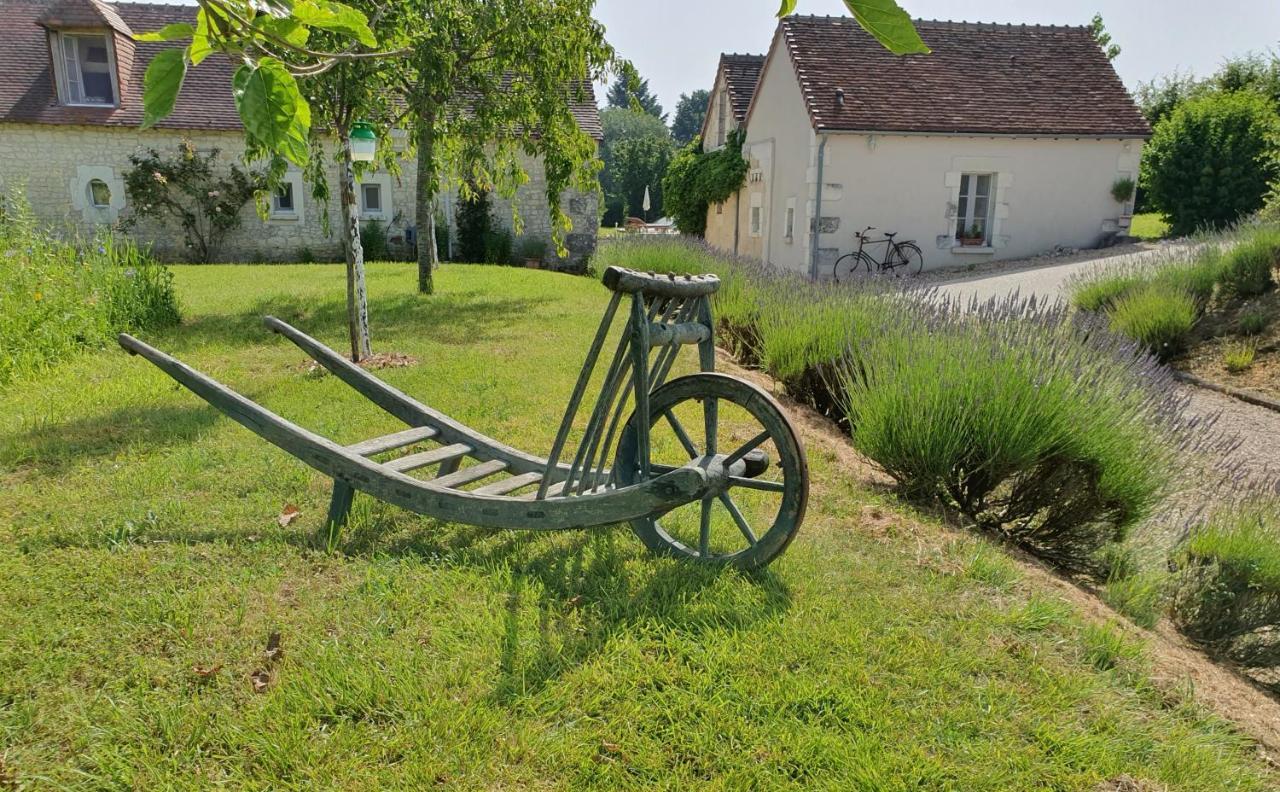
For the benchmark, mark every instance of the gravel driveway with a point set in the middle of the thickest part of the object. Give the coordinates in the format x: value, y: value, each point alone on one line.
x: 1044, y: 277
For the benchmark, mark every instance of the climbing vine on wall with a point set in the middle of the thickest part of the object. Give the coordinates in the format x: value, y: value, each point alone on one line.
x: 696, y: 179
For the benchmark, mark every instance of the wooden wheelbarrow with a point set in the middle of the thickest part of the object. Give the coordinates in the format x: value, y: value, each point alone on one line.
x: 732, y: 491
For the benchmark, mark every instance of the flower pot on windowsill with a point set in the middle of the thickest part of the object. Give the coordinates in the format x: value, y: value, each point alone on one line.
x: 972, y: 241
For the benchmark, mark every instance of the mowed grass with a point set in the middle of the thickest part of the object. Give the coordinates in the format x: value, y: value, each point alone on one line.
x: 142, y: 570
x: 1149, y: 225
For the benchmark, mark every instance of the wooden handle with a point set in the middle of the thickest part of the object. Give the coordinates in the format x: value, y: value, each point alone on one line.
x: 660, y: 284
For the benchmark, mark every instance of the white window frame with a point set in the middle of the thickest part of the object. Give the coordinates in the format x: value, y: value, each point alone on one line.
x: 59, y: 44
x: 365, y: 208
x: 385, y: 194
x: 967, y: 219
x: 293, y: 180
x: 91, y: 199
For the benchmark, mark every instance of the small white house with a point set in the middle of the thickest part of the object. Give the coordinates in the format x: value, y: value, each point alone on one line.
x: 1010, y: 135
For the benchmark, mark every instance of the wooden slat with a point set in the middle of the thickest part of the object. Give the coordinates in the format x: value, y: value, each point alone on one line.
x: 468, y: 475
x: 391, y: 442
x: 557, y: 491
x: 432, y: 457
x: 508, y: 485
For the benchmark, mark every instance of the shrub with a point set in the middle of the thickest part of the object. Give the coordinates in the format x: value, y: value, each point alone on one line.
x: 1099, y: 291
x: 1195, y: 274
x: 1227, y: 588
x: 1158, y: 316
x: 1239, y: 356
x: 497, y: 246
x: 475, y: 222
x: 373, y: 240
x: 1210, y: 162
x: 1122, y: 189
x: 1049, y: 434
x: 1048, y: 431
x: 1246, y: 268
x: 532, y: 248
x: 185, y: 188
x: 57, y: 298
x: 1251, y: 323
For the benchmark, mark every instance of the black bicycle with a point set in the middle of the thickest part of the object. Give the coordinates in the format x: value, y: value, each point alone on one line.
x: 900, y: 258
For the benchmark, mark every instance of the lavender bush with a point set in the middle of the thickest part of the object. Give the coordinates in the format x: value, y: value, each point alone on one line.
x: 1039, y: 424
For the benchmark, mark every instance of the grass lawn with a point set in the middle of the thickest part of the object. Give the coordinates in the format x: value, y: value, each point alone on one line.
x: 142, y: 569
x: 1150, y: 225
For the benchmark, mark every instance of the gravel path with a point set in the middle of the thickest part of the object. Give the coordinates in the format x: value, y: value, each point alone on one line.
x: 1043, y: 277
x: 1257, y: 429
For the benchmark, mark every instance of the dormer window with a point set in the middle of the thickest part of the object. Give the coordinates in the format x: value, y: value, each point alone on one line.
x: 86, y: 69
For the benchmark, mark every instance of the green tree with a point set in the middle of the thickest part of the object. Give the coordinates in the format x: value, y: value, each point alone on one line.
x: 637, y: 148
x: 1210, y: 162
x: 691, y: 110
x: 1160, y: 97
x: 629, y: 91
x: 351, y: 92
x: 1100, y: 35
x: 1252, y: 72
x: 490, y: 83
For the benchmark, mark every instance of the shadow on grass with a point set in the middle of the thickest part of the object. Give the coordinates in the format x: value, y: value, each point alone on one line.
x: 53, y: 448
x: 586, y: 587
x: 455, y: 319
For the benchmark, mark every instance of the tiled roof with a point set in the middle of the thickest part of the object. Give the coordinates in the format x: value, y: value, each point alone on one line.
x: 28, y: 93
x: 741, y: 73
x: 980, y: 78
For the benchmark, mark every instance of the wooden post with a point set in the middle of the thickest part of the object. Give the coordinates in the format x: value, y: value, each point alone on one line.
x: 357, y: 297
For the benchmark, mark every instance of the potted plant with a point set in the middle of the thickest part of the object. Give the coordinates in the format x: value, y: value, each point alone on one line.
x: 972, y: 236
x: 1122, y: 190
x: 533, y: 250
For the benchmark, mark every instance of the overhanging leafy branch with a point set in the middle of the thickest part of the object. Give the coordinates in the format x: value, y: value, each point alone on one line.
x: 696, y: 179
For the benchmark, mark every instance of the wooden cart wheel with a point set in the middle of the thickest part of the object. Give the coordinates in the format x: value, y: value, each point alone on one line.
x: 726, y: 419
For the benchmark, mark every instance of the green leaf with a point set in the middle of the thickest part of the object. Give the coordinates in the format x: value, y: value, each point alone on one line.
x: 161, y: 85
x: 890, y: 25
x: 200, y: 47
x: 788, y: 7
x: 339, y: 18
x: 289, y: 29
x: 171, y: 32
x: 273, y: 110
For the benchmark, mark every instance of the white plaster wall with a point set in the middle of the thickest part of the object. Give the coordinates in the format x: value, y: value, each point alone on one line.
x: 779, y: 145
x: 1049, y: 192
x: 52, y: 164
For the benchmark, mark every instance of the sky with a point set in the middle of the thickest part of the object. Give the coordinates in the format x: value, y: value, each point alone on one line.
x: 676, y: 44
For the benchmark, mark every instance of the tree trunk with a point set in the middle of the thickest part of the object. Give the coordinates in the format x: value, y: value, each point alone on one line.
x: 424, y: 202
x: 357, y: 298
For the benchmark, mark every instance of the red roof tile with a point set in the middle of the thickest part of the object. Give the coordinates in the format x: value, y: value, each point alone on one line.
x: 980, y: 78
x: 741, y: 73
x: 28, y: 93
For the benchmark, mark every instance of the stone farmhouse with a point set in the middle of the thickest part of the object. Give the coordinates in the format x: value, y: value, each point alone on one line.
x: 70, y: 110
x: 1002, y: 143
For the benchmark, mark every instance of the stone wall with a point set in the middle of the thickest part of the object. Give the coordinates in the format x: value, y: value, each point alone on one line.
x: 54, y: 165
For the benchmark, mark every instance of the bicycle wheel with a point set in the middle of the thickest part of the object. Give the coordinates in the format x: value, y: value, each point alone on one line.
x: 905, y: 259
x: 844, y: 268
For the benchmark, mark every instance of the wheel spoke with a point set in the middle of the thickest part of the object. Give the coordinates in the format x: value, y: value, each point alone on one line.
x: 704, y: 529
x: 747, y: 448
x: 757, y: 484
x: 711, y: 421
x: 681, y: 434
x: 738, y: 518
